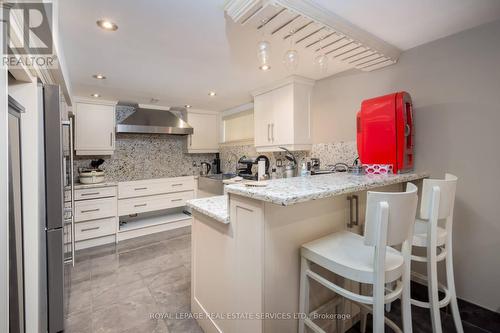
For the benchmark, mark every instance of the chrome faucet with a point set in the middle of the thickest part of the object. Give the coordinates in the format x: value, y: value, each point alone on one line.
x: 291, y: 157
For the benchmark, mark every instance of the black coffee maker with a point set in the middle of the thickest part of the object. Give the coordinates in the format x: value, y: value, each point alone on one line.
x: 245, y: 166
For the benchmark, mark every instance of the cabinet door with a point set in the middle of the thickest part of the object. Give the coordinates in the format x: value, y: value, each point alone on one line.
x: 94, y: 129
x: 205, y: 138
x: 282, y: 124
x: 263, y: 109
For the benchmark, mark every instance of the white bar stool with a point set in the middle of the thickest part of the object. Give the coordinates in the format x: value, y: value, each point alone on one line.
x: 370, y: 259
x: 438, y: 199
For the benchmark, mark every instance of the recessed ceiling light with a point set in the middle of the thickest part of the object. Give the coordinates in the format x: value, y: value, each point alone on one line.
x: 212, y: 93
x: 96, y: 95
x: 107, y: 25
x: 187, y: 106
x: 99, y: 76
x: 265, y: 67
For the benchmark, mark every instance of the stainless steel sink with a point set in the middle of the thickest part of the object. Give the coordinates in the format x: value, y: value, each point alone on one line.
x: 212, y: 184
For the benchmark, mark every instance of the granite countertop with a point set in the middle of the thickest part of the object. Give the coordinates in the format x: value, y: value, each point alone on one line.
x: 79, y: 186
x: 290, y: 191
x: 214, y: 207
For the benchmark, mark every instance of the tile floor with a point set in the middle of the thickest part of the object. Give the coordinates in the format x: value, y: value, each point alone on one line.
x: 117, y: 289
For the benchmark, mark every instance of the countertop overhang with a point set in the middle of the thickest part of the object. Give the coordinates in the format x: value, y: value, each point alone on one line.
x: 214, y: 207
x: 290, y: 191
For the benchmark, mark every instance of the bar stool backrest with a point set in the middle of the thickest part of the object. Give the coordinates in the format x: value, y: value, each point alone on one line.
x: 439, y: 193
x: 398, y: 209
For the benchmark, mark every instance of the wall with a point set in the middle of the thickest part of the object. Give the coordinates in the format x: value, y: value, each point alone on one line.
x: 145, y: 156
x: 455, y: 85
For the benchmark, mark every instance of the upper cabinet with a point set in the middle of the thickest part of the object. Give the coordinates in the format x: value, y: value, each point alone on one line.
x: 282, y: 115
x: 205, y: 138
x: 94, y: 127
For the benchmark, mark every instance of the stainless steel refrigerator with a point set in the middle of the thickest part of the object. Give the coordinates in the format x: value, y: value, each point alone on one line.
x: 58, y: 214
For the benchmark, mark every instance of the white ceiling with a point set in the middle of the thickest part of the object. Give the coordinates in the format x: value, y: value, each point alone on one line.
x: 177, y: 51
x: 409, y: 23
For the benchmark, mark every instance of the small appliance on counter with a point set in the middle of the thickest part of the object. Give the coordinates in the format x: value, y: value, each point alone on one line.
x: 385, y: 133
x: 205, y: 168
x: 92, y: 175
x: 245, y: 165
x: 216, y: 165
x: 316, y: 169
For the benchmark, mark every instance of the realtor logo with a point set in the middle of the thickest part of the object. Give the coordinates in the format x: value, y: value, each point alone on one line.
x: 27, y: 39
x: 28, y: 29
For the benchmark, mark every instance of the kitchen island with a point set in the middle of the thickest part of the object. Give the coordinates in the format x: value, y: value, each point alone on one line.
x: 246, y: 246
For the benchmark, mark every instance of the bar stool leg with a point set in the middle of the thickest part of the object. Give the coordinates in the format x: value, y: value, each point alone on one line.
x: 378, y: 308
x: 304, y: 293
x: 388, y: 305
x: 450, y: 281
x: 341, y: 310
x: 432, y: 276
x: 363, y: 312
x: 406, y: 293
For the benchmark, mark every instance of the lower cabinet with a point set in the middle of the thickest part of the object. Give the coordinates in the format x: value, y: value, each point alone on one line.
x: 111, y: 214
x: 95, y: 228
x: 153, y: 205
x: 95, y: 213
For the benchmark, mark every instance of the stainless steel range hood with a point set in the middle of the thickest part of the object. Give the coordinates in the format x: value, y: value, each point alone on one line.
x: 152, y: 121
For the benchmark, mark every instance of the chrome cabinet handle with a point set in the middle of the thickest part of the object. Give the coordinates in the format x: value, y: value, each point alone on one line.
x: 177, y: 184
x: 353, y: 210
x: 174, y: 200
x: 272, y: 132
x: 140, y: 188
x: 90, y: 229
x: 190, y: 140
x: 141, y: 205
x: 111, y: 139
x: 91, y: 210
x: 93, y: 193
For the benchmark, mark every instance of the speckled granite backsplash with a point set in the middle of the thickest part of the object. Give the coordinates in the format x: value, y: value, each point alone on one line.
x: 328, y: 153
x: 146, y: 156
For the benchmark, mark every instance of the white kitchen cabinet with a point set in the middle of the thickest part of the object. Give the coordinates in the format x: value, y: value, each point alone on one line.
x: 205, y: 138
x: 282, y: 115
x: 94, y: 127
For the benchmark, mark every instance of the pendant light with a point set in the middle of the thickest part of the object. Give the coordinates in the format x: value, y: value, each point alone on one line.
x: 320, y: 59
x: 264, y: 51
x: 291, y: 57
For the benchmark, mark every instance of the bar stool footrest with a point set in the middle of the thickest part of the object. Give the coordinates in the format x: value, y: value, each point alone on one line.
x: 441, y: 287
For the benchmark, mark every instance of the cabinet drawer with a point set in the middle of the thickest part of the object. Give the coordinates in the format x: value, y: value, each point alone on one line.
x: 152, y: 203
x: 95, y: 209
x: 96, y: 228
x: 154, y: 186
x: 94, y: 193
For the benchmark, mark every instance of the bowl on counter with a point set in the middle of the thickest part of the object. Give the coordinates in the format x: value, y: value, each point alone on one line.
x: 91, y: 176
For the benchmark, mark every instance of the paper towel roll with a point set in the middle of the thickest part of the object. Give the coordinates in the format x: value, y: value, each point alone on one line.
x: 261, y: 171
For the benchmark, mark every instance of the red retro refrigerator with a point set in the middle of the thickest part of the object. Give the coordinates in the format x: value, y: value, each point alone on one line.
x: 385, y: 132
